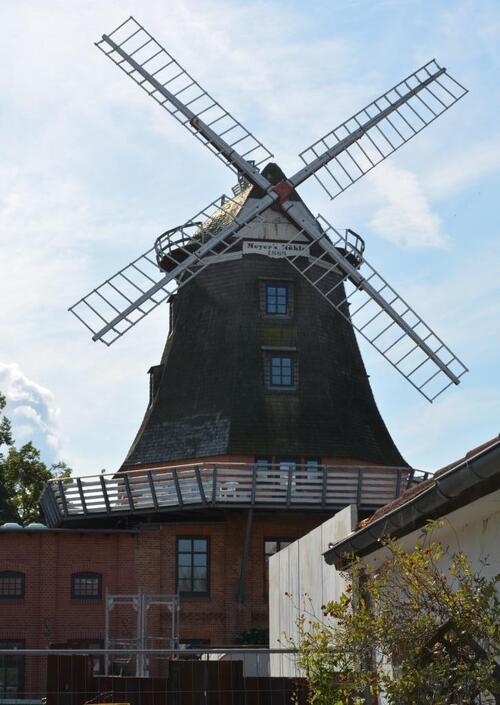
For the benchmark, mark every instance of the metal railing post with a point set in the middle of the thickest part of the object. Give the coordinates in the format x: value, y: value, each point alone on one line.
x: 359, y: 489
x: 324, y: 485
x: 214, y: 485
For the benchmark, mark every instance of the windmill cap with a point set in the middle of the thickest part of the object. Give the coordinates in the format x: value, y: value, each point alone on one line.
x: 273, y: 173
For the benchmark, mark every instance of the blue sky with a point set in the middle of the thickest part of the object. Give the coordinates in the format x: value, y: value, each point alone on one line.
x: 91, y: 171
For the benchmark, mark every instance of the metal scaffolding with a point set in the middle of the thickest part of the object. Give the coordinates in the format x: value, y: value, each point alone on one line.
x: 141, y: 604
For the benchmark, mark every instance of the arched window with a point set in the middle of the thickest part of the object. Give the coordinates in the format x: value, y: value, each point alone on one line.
x: 11, y: 585
x: 86, y: 586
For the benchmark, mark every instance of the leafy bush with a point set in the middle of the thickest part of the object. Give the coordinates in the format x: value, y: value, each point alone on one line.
x: 408, y: 630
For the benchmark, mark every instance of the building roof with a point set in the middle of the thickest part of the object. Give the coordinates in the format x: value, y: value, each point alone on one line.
x: 472, y: 476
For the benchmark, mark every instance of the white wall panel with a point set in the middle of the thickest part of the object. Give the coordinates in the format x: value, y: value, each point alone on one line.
x: 300, y: 570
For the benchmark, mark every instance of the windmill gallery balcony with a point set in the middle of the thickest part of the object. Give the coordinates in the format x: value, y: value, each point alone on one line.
x: 212, y: 486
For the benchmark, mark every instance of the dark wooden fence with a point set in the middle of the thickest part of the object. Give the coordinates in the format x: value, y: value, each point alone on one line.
x: 70, y: 681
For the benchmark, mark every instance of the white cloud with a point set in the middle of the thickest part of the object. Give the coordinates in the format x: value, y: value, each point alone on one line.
x: 406, y: 216
x: 30, y: 406
x: 28, y: 412
x: 464, y: 167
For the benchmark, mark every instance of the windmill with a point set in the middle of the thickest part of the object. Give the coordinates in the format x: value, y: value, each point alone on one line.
x: 314, y: 248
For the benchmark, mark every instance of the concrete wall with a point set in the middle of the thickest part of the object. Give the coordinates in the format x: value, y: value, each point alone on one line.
x: 301, y: 572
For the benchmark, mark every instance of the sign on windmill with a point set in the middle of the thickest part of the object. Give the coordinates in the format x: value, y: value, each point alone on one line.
x: 337, y: 160
x: 276, y: 250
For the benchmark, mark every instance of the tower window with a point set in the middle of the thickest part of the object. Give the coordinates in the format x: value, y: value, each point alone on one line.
x: 282, y: 371
x: 193, y: 566
x: 276, y: 299
x: 86, y: 586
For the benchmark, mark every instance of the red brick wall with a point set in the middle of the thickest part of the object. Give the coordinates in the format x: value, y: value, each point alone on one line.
x: 132, y: 561
x: 47, y: 614
x: 145, y: 561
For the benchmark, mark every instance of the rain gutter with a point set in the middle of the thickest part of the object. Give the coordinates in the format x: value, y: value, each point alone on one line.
x: 468, y: 480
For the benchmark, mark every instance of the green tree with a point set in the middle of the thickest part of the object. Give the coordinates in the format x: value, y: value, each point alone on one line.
x: 7, y: 512
x: 409, y: 630
x: 5, y: 427
x: 23, y: 476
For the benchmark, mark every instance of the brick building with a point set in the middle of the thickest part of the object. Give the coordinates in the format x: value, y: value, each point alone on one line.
x: 260, y: 425
x: 48, y: 607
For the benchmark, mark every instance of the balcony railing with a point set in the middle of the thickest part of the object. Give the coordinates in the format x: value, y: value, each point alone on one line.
x: 206, y: 485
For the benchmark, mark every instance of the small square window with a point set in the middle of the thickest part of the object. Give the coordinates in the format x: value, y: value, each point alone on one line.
x: 282, y: 371
x: 11, y: 585
x: 277, y: 299
x: 86, y: 586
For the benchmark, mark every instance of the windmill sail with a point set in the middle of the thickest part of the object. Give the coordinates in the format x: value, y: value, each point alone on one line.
x: 349, y: 151
x: 149, y: 64
x: 339, y: 271
x: 103, y: 304
x: 378, y: 312
x: 120, y: 302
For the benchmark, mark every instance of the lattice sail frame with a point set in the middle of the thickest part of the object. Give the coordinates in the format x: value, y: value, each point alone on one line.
x: 420, y: 359
x: 133, y: 49
x: 414, y: 103
x: 359, y: 143
x: 120, y: 302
